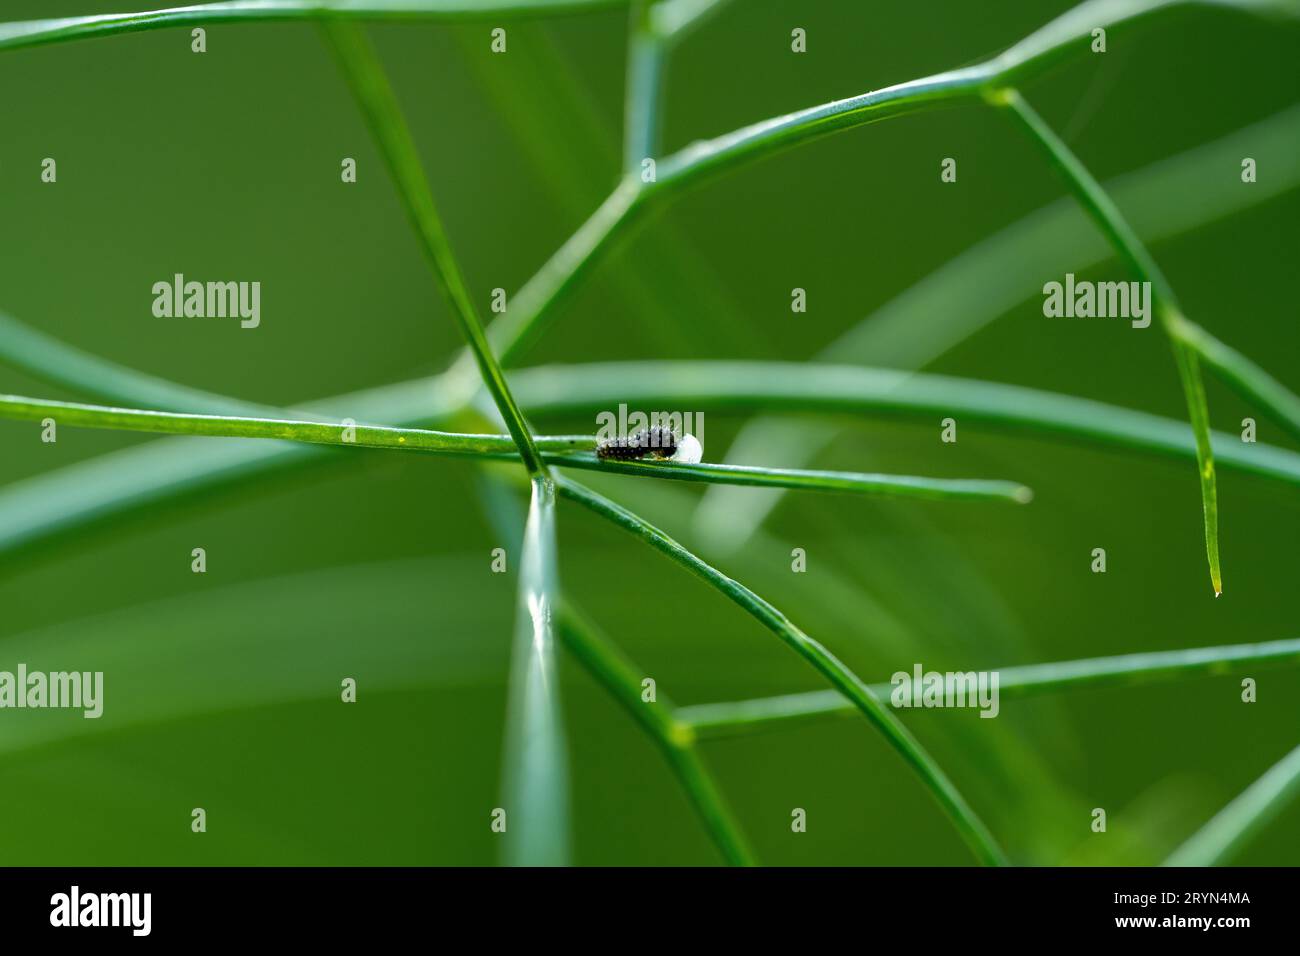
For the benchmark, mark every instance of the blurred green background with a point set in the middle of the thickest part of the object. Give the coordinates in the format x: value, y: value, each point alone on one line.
x: 222, y: 689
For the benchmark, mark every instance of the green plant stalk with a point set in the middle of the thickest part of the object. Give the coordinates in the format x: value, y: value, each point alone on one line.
x: 96, y: 490
x: 619, y: 678
x: 374, y: 95
x: 512, y: 333
x: 533, y: 305
x: 927, y: 319
x: 61, y: 364
x: 1229, y: 830
x: 1098, y: 204
x: 36, y: 32
x: 854, y: 390
x: 1028, y: 57
x: 736, y: 718
x: 936, y: 489
x: 536, y: 770
x: 54, y: 361
x: 741, y: 386
x: 570, y: 166
x: 536, y: 791
x: 971, y: 828
x: 313, y: 432
x: 574, y: 451
x: 1194, y: 388
x: 674, y: 739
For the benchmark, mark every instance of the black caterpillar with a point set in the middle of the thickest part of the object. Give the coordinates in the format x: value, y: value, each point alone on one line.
x: 656, y: 441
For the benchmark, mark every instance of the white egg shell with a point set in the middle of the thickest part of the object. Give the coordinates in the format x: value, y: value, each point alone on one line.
x: 689, y: 450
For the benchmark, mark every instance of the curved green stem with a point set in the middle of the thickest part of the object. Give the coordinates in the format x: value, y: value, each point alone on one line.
x: 659, y: 720
x: 37, y: 32
x: 536, y: 790
x: 573, y: 451
x: 930, y: 317
x: 848, y: 389
x: 536, y: 775
x: 908, y: 486
x: 972, y: 829
x: 736, y: 718
x: 620, y: 678
x: 81, y: 494
x: 1098, y: 204
x: 533, y: 304
x: 375, y: 96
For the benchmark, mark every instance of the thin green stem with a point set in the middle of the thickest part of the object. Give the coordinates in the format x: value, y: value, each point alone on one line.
x: 619, y: 677
x: 533, y: 304
x: 1090, y: 195
x: 1189, y: 373
x: 854, y: 390
x: 136, y: 478
x: 572, y: 451
x: 535, y: 301
x: 375, y: 96
x: 36, y: 32
x: 736, y: 718
x: 1241, y: 820
x: 927, y: 319
x: 536, y: 769
x: 522, y: 323
x: 907, y: 486
x: 536, y: 774
x: 972, y: 829
x: 1098, y: 204
x: 342, y: 434
x: 61, y: 364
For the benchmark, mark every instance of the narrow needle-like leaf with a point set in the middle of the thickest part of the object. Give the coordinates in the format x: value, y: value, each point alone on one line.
x: 673, y: 738
x: 1097, y: 202
x: 907, y: 486
x: 370, y: 85
x: 314, y: 432
x: 35, y: 32
x: 968, y: 824
x: 621, y: 679
x: 927, y: 319
x: 692, y: 164
x: 57, y: 362
x: 852, y: 390
x: 536, y: 774
x: 536, y: 770
x: 572, y: 451
x: 98, y: 489
x: 748, y: 716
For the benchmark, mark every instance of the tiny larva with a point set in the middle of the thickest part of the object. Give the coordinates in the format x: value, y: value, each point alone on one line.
x: 656, y: 443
